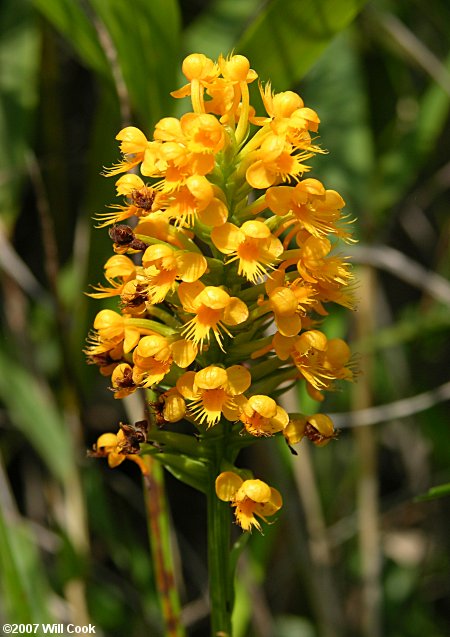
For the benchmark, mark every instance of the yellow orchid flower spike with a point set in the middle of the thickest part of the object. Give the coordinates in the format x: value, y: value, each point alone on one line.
x: 222, y: 292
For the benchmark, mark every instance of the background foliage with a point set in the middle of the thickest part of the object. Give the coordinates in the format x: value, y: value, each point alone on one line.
x: 353, y: 549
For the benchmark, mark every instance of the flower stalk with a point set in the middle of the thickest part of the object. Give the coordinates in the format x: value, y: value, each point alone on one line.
x: 220, y: 577
x: 218, y: 537
x: 161, y: 549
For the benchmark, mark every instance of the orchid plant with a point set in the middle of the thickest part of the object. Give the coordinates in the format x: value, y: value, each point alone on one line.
x: 224, y: 278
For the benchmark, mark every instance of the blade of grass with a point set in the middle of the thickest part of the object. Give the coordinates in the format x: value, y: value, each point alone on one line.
x: 69, y: 18
x: 146, y: 38
x: 22, y: 576
x: 33, y: 411
x: 19, y: 56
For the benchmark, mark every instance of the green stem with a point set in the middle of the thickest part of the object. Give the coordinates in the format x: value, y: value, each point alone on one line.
x: 160, y: 537
x: 164, y: 316
x: 153, y: 326
x: 221, y: 585
x: 159, y: 533
x: 220, y: 590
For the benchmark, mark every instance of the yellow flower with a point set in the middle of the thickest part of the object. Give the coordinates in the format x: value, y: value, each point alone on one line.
x: 213, y: 308
x: 154, y: 355
x: 261, y: 415
x: 236, y: 69
x: 318, y: 428
x: 112, y: 336
x: 120, y: 446
x: 119, y: 269
x: 109, y: 445
x: 133, y: 146
x: 174, y: 405
x: 186, y: 147
x: 289, y: 302
x: 310, y: 206
x: 252, y: 245
x: 319, y: 360
x: 196, y: 199
x: 237, y: 72
x: 152, y: 360
x: 222, y: 102
x: 164, y: 266
x: 278, y: 106
x: 201, y: 72
x: 133, y: 297
x: 143, y: 200
x: 275, y: 161
x: 122, y: 380
x: 249, y: 498
x: 213, y: 391
x: 314, y: 264
x: 157, y: 227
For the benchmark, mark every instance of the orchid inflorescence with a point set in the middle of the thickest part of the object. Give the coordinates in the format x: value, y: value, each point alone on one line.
x: 223, y: 280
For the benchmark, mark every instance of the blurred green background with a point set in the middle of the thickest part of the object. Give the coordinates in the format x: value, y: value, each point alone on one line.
x: 353, y: 553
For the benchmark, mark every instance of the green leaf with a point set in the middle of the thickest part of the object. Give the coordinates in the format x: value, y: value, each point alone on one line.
x: 190, y: 471
x: 146, y: 39
x: 33, y: 411
x: 433, y: 493
x: 344, y: 130
x: 289, y: 36
x: 68, y: 17
x: 19, y: 57
x: 219, y: 26
x: 400, y: 164
x: 23, y: 582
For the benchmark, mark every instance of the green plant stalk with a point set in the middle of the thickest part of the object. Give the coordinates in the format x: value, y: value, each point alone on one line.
x: 159, y: 535
x: 221, y: 584
x: 220, y: 588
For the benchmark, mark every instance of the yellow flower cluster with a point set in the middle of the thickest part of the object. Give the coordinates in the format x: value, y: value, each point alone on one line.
x: 227, y: 239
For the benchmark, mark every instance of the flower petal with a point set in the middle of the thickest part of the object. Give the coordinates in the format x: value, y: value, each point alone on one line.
x: 213, y: 297
x: 239, y: 379
x: 211, y: 377
x: 183, y: 352
x: 255, y: 229
x: 256, y: 490
x: 289, y: 325
x: 214, y: 214
x: 236, y: 312
x: 131, y: 339
x: 185, y: 385
x: 227, y: 237
x: 227, y: 485
x: 188, y: 293
x: 263, y: 405
x: 272, y: 506
x: 190, y: 266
